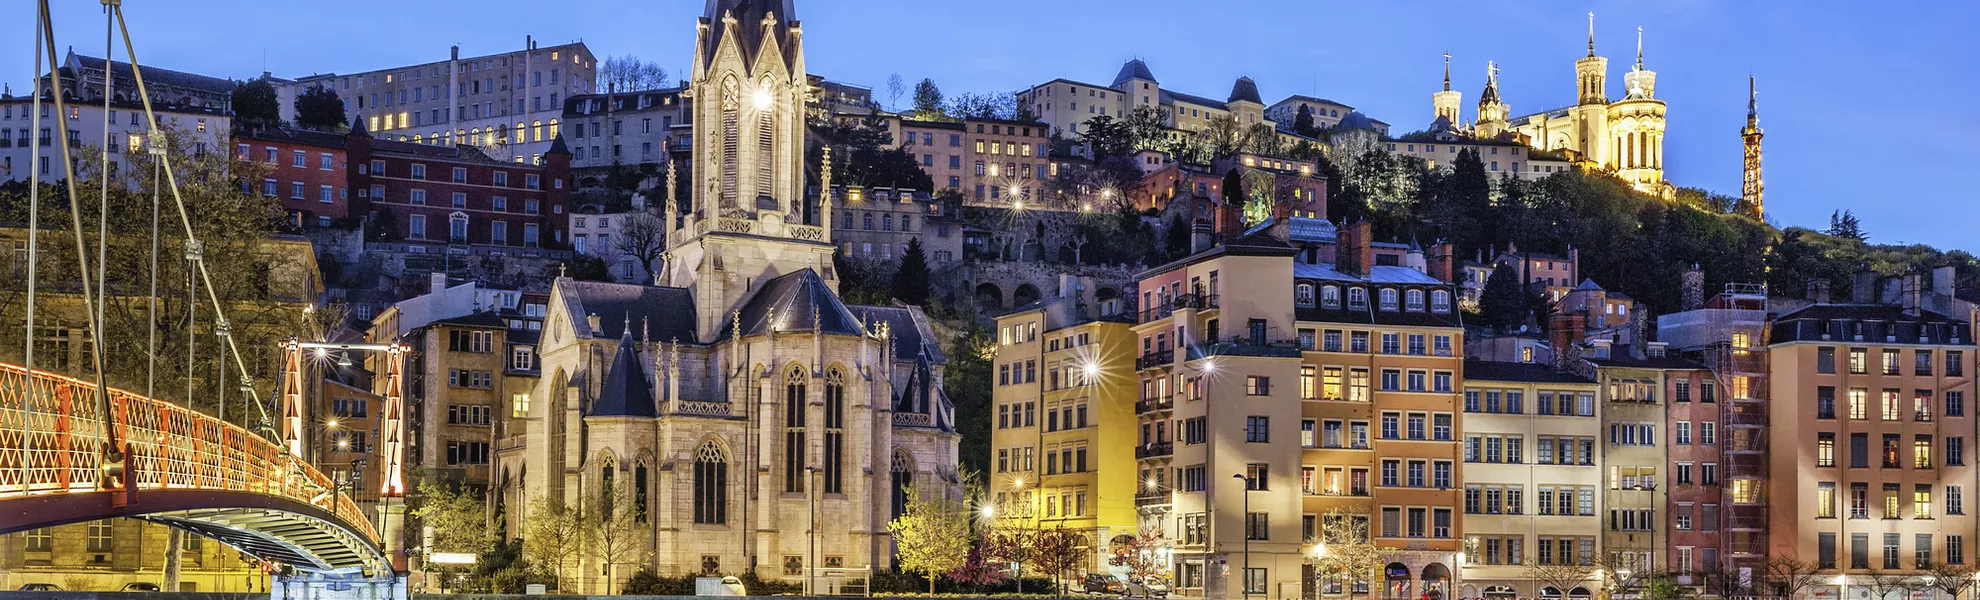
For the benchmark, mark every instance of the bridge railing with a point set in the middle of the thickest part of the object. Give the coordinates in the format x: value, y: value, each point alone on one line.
x: 52, y: 442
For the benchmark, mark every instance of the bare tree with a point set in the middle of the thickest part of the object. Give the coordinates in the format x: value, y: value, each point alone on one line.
x: 1561, y: 576
x: 1347, y: 552
x: 642, y: 237
x: 895, y: 88
x: 553, y: 535
x: 1951, y: 579
x: 627, y: 73
x: 1790, y: 575
x: 616, y: 532
x: 1884, y: 585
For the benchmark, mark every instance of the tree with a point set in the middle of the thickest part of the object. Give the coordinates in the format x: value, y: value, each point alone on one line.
x: 1012, y: 541
x: 1175, y: 241
x: 1950, y: 578
x: 1844, y: 224
x: 617, y: 531
x: 1142, y: 556
x: 1108, y: 137
x: 1503, y: 303
x: 1346, y: 551
x: 895, y: 87
x: 642, y: 237
x: 255, y: 103
x: 1884, y: 585
x: 911, y: 278
x: 927, y: 100
x: 1303, y: 121
x: 554, y: 536
x: 626, y: 73
x: 459, y: 519
x: 1059, y: 552
x: 1789, y: 575
x: 1562, y: 576
x: 971, y: 105
x: 932, y: 534
x: 1147, y: 127
x: 319, y: 108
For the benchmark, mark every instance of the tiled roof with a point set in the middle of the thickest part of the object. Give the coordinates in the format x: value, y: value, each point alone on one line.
x: 1483, y: 370
x: 294, y: 135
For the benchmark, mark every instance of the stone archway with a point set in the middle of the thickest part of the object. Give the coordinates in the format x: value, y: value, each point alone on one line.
x: 1025, y: 294
x: 989, y: 296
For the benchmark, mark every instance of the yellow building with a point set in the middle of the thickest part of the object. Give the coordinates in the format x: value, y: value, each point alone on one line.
x: 1530, y: 479
x: 1073, y: 465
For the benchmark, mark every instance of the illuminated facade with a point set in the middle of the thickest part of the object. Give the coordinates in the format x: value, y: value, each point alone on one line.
x: 1531, y: 478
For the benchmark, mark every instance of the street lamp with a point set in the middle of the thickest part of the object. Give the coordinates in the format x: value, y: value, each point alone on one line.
x: 1243, y: 584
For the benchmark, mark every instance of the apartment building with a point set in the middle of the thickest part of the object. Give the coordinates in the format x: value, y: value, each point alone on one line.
x: 509, y: 104
x: 1710, y: 530
x: 1870, y: 456
x: 459, y: 195
x: 1085, y: 479
x: 197, y: 130
x: 1694, y: 543
x: 993, y: 162
x: 1531, y: 478
x: 307, y: 171
x: 1635, y: 459
x: 634, y: 128
x: 880, y: 222
x: 93, y: 77
x: 1066, y: 105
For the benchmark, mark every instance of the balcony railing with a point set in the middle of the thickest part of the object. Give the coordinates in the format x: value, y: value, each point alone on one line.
x: 1154, y: 404
x: 913, y: 420
x: 1156, y: 497
x: 1154, y: 450
x: 705, y: 409
x: 1155, y: 359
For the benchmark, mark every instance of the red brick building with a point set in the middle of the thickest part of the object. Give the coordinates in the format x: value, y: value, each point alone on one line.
x: 307, y: 171
x: 458, y: 195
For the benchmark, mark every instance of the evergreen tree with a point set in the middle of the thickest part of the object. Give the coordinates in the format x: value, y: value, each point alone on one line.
x: 1844, y: 224
x: 320, y: 108
x: 255, y: 103
x: 927, y: 100
x: 1176, y: 243
x: 1303, y: 122
x: 911, y: 279
x: 1233, y: 192
x: 1468, y: 191
x: 1503, y: 303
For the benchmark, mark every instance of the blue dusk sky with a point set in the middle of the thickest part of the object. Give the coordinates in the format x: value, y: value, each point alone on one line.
x: 1869, y: 107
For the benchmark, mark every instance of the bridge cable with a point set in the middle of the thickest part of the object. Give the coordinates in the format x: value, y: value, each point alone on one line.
x: 185, y: 219
x: 151, y: 341
x: 113, y: 452
x: 34, y: 214
x: 103, y: 201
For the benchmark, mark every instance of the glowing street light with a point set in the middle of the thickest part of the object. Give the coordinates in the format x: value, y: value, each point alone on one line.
x: 989, y: 511
x: 1320, y: 550
x: 1092, y: 369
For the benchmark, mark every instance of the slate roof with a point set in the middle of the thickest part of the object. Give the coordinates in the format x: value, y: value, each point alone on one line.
x: 1484, y: 370
x: 662, y: 313
x: 1169, y: 97
x: 626, y: 393
x: 1311, y: 229
x: 1377, y: 274
x: 1355, y: 120
x: 1880, y: 322
x: 911, y: 337
x: 796, y: 298
x: 1134, y: 69
x: 480, y: 319
x: 1652, y: 362
x: 1245, y: 90
x: 155, y: 77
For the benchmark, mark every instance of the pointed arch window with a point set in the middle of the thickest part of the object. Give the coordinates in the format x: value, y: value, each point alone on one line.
x: 835, y: 431
x: 711, y: 485
x: 731, y: 138
x: 903, y: 476
x: 794, y: 443
x: 639, y: 492
x: 605, y: 484
x: 766, y: 139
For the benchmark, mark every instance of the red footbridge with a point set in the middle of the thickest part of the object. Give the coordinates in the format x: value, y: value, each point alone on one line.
x: 64, y: 460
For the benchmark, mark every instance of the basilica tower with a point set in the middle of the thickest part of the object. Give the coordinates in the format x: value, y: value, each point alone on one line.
x: 1636, y: 129
x: 1751, y: 191
x: 1446, y: 102
x: 1492, y: 111
x: 747, y: 219
x: 1591, y: 75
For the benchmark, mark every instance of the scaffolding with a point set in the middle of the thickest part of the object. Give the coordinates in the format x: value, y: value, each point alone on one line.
x: 1729, y: 335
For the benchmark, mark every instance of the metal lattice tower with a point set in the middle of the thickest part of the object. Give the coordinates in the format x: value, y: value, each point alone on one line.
x: 1753, y: 188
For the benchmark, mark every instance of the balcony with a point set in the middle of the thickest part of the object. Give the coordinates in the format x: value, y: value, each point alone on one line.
x: 1259, y: 348
x: 1155, y: 497
x: 1197, y: 301
x: 1158, y: 313
x: 1155, y: 359
x: 913, y: 420
x: 1154, y: 450
x: 1156, y: 404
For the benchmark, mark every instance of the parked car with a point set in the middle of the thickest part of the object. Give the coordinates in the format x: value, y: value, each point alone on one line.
x: 1152, y: 587
x: 140, y: 586
x: 1102, y: 583
x: 41, y: 587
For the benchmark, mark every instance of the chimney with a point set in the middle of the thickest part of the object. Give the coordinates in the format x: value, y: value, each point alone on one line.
x: 1200, y: 236
x: 1692, y: 288
x: 1942, y: 281
x: 1818, y: 291
x: 1443, y: 259
x: 456, y: 54
x: 592, y: 320
x: 1913, y: 291
x: 1563, y: 330
x: 1863, y: 289
x: 1574, y: 267
x: 439, y: 282
x: 1354, y: 251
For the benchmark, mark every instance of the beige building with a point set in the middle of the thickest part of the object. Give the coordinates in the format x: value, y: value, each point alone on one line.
x: 992, y: 162
x: 1074, y: 466
x: 1066, y: 105
x: 1326, y: 113
x: 1531, y: 478
x: 879, y: 223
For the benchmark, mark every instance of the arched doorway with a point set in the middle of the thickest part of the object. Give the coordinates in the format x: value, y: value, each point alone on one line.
x: 1499, y: 591
x: 989, y: 296
x: 1436, y: 581
x: 1025, y: 294
x: 1395, y: 581
x: 1550, y: 592
x: 1579, y: 592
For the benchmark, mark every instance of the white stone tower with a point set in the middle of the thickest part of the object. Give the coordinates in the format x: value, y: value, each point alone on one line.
x: 1591, y: 111
x: 1636, y: 129
x: 1446, y: 102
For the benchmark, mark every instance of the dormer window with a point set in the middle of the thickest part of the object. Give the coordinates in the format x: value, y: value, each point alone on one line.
x: 1413, y: 300
x: 1303, y: 294
x: 1388, y: 298
x: 1358, y: 298
x: 1330, y: 296
x: 1440, y: 301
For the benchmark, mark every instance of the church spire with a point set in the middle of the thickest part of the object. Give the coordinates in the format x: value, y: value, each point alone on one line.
x: 1447, y: 70
x: 1639, y: 47
x: 1591, y: 33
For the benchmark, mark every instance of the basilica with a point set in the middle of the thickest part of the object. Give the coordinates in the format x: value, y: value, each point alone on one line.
x: 1625, y: 136
x: 760, y: 423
